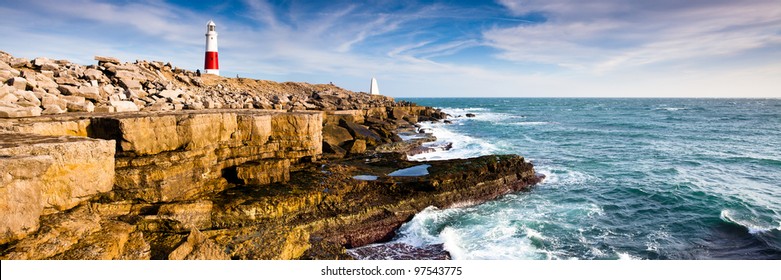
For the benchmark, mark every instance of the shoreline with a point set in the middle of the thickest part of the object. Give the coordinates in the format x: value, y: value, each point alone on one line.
x: 198, y: 183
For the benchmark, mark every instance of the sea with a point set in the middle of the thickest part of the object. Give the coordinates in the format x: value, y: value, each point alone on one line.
x: 624, y: 179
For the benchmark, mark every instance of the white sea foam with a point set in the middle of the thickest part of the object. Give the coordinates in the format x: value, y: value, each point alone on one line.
x: 533, y: 234
x: 752, y: 228
x: 672, y: 109
x: 416, y: 231
x: 507, y: 240
x: 452, y: 243
x: 555, y: 176
x: 481, y: 114
x: 462, y: 111
x: 625, y: 256
x: 464, y: 146
x: 531, y: 123
x: 407, y: 137
x: 594, y: 209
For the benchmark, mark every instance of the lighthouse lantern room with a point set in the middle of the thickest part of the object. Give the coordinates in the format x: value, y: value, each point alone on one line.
x: 211, y: 63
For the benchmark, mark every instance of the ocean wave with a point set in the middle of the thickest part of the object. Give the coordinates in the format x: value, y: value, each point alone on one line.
x: 464, y: 146
x: 422, y: 229
x: 481, y: 114
x: 752, y: 228
x: 531, y: 123
x: 672, y: 109
x: 451, y: 241
x: 508, y: 239
x: 463, y: 111
x: 557, y: 176
x: 625, y: 256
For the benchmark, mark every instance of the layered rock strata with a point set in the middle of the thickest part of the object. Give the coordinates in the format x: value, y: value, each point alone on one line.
x: 94, y: 178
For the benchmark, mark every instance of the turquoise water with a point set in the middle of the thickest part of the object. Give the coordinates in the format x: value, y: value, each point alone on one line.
x: 626, y: 179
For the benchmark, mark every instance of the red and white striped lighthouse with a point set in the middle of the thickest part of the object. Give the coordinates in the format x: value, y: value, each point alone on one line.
x: 211, y: 63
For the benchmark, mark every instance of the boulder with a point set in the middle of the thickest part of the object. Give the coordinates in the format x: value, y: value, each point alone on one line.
x: 45, y: 82
x: 84, y: 106
x: 29, y: 96
x: 89, y: 92
x: 129, y: 74
x: 19, y: 62
x: 74, y: 99
x: 333, y: 151
x: 280, y: 99
x: 470, y: 115
x: 18, y: 82
x: 6, y: 112
x: 93, y: 74
x: 40, y: 61
x: 336, y: 135
x: 49, y: 66
x: 398, y: 113
x: 357, y: 147
x: 5, y: 66
x: 170, y: 93
x: 105, y: 109
x: 124, y: 106
x: 105, y: 59
x: 66, y: 80
x: 362, y: 132
x: 7, y: 95
x: 130, y: 84
x: 53, y: 110
x: 68, y: 90
x: 6, y: 75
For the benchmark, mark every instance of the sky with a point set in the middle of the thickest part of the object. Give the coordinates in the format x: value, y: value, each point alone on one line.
x: 503, y: 48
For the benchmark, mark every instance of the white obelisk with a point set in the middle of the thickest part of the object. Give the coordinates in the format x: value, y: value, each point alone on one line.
x: 211, y: 63
x: 374, y: 89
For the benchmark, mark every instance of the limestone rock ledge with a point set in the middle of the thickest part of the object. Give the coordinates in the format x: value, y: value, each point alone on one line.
x: 239, y: 184
x: 45, y: 174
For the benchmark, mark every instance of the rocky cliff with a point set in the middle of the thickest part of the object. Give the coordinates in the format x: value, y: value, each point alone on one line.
x: 146, y: 161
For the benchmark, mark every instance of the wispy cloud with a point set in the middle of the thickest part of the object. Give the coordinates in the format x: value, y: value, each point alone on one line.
x: 508, y: 48
x: 605, y: 35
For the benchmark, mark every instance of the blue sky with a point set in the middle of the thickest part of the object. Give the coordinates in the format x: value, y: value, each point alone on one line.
x: 515, y: 48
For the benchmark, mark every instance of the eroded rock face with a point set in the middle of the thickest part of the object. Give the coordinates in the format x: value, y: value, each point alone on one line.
x: 264, y: 172
x: 80, y: 234
x: 181, y: 156
x: 81, y: 167
x: 333, y: 208
x: 20, y: 195
x: 198, y: 247
x: 211, y: 183
x: 188, y: 215
x: 44, y: 174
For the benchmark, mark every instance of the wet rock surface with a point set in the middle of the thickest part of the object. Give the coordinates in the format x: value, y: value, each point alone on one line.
x: 400, y: 251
